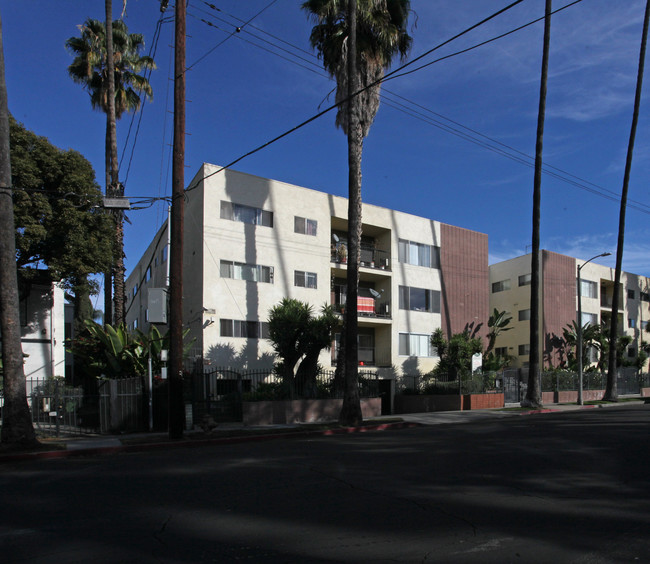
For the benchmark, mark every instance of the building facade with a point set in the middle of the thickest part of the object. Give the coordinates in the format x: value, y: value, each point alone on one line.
x: 510, y: 291
x: 249, y: 242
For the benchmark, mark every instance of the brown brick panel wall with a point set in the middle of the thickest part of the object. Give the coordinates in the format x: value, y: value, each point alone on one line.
x: 559, y: 300
x: 464, y: 279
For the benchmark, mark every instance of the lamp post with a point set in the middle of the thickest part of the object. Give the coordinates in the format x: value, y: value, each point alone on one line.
x: 579, y: 326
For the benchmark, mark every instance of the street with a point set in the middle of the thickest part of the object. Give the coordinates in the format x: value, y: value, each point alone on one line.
x: 561, y: 487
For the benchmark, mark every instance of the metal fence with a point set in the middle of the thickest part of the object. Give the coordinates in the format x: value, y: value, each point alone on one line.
x: 628, y: 382
x: 443, y: 384
x: 108, y: 406
x: 219, y: 392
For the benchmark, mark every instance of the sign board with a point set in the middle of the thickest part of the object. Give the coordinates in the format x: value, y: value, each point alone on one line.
x: 477, y: 362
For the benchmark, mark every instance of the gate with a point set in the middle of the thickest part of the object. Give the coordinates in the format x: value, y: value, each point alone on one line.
x: 511, y: 387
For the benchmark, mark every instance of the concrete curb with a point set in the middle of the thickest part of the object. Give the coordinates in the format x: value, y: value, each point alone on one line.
x: 193, y: 443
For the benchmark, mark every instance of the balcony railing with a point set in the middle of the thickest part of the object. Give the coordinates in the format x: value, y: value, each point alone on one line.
x: 369, y: 356
x: 368, y: 307
x: 369, y: 256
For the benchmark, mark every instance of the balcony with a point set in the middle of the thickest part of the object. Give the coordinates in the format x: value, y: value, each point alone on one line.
x: 371, y: 257
x: 370, y: 303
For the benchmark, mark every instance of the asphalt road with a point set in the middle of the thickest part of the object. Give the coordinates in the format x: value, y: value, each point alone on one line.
x: 561, y: 487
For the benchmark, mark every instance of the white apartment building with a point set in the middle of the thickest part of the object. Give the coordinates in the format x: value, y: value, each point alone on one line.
x: 510, y: 291
x: 249, y: 242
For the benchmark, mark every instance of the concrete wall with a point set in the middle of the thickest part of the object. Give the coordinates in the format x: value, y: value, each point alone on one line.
x: 302, y: 411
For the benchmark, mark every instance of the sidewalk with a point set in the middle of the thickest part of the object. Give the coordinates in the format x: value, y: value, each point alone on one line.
x: 64, y: 447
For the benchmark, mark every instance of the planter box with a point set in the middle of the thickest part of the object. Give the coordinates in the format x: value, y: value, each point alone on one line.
x: 425, y: 403
x: 302, y: 411
x: 483, y: 401
x: 571, y: 396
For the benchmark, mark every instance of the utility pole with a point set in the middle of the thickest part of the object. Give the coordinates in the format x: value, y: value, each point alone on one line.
x: 176, y: 411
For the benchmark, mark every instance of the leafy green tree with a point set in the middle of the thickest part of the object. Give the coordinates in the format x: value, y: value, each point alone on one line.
x: 114, y: 352
x: 287, y: 323
x: 59, y: 223
x: 497, y: 323
x: 455, y: 354
x: 317, y: 335
x: 591, y: 338
x: 357, y: 42
x: 89, y: 68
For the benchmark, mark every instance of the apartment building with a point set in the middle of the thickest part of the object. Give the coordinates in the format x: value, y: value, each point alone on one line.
x: 510, y: 291
x: 249, y: 242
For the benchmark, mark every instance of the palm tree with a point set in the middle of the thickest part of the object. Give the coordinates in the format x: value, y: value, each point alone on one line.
x: 533, y: 393
x: 357, y: 42
x: 90, y: 69
x: 611, y: 392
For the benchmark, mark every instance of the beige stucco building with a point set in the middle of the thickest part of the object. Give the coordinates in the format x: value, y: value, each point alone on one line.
x: 510, y: 291
x: 250, y: 241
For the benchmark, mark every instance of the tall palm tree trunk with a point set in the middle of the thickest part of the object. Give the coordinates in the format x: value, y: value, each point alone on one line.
x: 611, y: 392
x: 17, y: 422
x: 351, y: 408
x: 115, y: 188
x: 533, y: 393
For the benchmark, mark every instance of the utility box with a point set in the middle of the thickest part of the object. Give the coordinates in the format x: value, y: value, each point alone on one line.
x: 157, y: 305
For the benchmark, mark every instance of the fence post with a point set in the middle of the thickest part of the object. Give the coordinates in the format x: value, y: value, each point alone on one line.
x: 57, y: 406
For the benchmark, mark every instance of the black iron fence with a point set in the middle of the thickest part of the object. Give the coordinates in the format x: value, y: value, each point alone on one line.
x: 219, y: 392
x: 628, y: 382
x: 444, y: 384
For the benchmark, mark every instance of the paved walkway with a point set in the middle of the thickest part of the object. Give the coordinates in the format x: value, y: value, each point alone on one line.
x: 236, y: 432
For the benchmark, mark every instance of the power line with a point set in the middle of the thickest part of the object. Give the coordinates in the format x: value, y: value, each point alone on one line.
x: 237, y: 30
x: 502, y: 149
x: 313, y: 118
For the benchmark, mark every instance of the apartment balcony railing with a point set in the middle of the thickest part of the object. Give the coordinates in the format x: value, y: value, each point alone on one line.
x: 369, y: 356
x: 367, y: 307
x: 369, y: 256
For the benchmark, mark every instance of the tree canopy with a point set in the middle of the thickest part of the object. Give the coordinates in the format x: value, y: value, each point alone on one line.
x: 57, y: 209
x: 89, y: 65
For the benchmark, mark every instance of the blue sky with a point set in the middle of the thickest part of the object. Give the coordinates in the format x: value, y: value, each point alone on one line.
x: 245, y: 88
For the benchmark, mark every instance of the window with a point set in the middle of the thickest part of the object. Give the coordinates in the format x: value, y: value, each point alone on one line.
x: 135, y: 323
x: 588, y: 289
x: 246, y: 214
x: 631, y: 352
x: 645, y: 297
x: 305, y: 279
x: 305, y: 226
x: 644, y: 325
x: 501, y: 351
x: 589, y: 319
x: 524, y: 315
x: 419, y: 299
x: 163, y: 254
x: 135, y: 290
x: 419, y: 254
x: 631, y: 323
x: 411, y: 344
x: 524, y: 279
x: 631, y: 294
x: 244, y: 329
x: 250, y: 272
x: 524, y: 350
x: 500, y: 286
x: 147, y: 275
